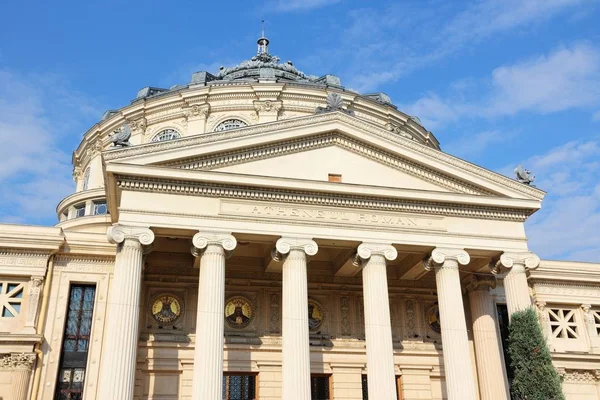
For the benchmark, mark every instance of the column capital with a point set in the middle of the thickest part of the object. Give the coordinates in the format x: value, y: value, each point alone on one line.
x: 118, y: 233
x: 483, y: 283
x: 201, y: 240
x: 506, y: 262
x: 440, y: 255
x: 285, y: 244
x: 366, y: 250
x: 17, y: 361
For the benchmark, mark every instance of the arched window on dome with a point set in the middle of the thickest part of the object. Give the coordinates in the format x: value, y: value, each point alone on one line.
x: 166, y: 134
x: 86, y: 178
x: 230, y: 124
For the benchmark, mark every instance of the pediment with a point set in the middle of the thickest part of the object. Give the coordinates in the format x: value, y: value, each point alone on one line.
x: 311, y: 148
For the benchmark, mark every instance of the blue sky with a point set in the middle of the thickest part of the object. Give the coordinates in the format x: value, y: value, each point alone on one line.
x: 499, y: 82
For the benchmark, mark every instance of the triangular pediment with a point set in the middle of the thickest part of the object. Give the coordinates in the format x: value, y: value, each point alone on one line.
x: 311, y: 148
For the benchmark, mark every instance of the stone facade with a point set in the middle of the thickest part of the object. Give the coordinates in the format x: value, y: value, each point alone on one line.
x: 400, y: 253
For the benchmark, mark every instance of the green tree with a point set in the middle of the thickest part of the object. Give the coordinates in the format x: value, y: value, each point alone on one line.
x: 534, y: 376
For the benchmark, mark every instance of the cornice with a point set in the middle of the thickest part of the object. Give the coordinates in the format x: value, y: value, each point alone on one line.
x: 209, y: 162
x: 320, y: 119
x: 49, y: 239
x: 173, y: 186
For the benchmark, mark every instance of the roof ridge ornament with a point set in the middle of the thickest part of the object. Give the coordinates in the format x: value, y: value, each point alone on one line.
x: 263, y: 43
x: 524, y: 175
x: 334, y: 103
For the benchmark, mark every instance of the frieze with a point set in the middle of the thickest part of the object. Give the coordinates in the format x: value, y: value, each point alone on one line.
x: 319, y: 214
x: 579, y: 375
x: 296, y: 196
x: 566, y: 290
x: 92, y: 264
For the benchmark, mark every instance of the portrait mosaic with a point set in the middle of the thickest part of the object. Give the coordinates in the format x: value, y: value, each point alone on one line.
x: 166, y: 308
x: 316, y: 315
x: 238, y: 312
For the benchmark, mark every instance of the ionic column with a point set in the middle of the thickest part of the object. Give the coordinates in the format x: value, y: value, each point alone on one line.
x: 493, y: 383
x: 20, y: 366
x: 294, y: 315
x: 460, y: 383
x: 378, y: 330
x: 514, y: 266
x: 117, y: 375
x: 212, y: 249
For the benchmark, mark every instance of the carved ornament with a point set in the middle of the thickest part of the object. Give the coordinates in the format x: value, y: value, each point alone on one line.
x: 527, y: 261
x: 118, y: 233
x: 446, y: 257
x: 202, y: 240
x: 366, y: 250
x: 17, y: 361
x: 286, y: 244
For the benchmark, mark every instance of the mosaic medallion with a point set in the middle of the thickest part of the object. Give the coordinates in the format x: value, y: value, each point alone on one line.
x: 166, y: 308
x: 238, y: 312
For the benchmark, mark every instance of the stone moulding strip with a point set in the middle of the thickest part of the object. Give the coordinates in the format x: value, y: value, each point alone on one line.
x: 288, y: 196
x: 321, y: 118
x: 322, y: 141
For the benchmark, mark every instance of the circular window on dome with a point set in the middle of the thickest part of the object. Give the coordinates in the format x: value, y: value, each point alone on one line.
x: 166, y: 134
x: 230, y: 124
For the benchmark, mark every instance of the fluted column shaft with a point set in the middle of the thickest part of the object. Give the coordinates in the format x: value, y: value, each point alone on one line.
x: 381, y: 377
x: 493, y: 383
x: 117, y: 375
x: 20, y: 383
x: 294, y: 315
x: 208, y: 350
x: 460, y: 383
x: 514, y: 266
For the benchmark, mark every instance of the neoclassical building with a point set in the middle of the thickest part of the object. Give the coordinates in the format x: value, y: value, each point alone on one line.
x: 261, y: 233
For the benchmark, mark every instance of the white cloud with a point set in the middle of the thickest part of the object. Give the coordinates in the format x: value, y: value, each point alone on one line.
x: 37, y: 115
x: 566, y: 78
x: 435, y: 31
x: 567, y: 225
x: 297, y: 5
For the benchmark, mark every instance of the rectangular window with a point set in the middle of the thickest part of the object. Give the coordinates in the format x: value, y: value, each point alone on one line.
x: 100, y: 207
x: 320, y: 387
x: 239, y: 387
x: 11, y: 297
x: 79, y: 210
x: 503, y: 325
x: 76, y: 340
x: 335, y: 177
x: 365, y: 387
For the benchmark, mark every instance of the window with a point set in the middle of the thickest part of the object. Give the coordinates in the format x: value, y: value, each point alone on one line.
x: 230, y: 124
x: 86, y: 178
x: 100, y: 207
x: 335, y: 178
x: 596, y: 315
x: 365, y: 388
x: 502, y: 311
x: 79, y: 210
x: 76, y: 340
x: 319, y: 387
x: 562, y: 323
x: 167, y: 134
x: 11, y: 297
x: 239, y: 387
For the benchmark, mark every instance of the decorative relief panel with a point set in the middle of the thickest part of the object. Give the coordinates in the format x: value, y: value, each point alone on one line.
x: 274, y: 314
x: 17, y: 361
x: 410, y: 318
x: 579, y: 376
x: 23, y: 263
x: 345, y: 327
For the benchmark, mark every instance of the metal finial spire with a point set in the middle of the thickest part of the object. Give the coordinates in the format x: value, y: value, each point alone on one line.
x: 263, y: 42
